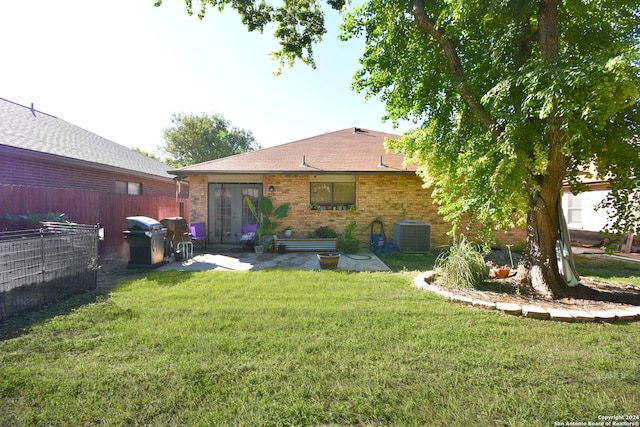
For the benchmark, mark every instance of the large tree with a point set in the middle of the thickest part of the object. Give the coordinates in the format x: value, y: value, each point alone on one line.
x: 512, y: 99
x: 194, y: 139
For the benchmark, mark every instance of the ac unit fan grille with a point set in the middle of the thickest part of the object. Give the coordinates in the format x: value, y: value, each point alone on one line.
x: 412, y: 236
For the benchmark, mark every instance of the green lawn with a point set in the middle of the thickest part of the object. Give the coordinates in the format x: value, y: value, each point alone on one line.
x: 305, y: 348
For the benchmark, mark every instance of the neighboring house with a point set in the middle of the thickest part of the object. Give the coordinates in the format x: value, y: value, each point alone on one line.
x: 586, y: 222
x: 50, y: 165
x: 328, y: 180
x: 580, y: 209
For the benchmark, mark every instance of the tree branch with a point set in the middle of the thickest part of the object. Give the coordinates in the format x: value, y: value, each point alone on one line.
x: 456, y: 71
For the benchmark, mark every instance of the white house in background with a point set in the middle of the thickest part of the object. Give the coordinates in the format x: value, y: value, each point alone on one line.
x: 580, y: 209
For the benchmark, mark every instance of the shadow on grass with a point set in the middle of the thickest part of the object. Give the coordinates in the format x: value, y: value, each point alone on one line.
x: 109, y: 276
x: 19, y: 324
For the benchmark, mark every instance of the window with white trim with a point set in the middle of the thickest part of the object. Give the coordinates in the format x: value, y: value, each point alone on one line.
x: 333, y: 193
x: 574, y: 209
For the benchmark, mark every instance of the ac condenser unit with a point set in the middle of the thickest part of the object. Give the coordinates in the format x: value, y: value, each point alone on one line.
x: 412, y: 236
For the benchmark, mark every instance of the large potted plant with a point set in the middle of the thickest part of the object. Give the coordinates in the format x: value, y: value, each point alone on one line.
x: 264, y: 214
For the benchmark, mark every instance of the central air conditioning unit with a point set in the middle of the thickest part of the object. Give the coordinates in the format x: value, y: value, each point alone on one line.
x: 412, y: 236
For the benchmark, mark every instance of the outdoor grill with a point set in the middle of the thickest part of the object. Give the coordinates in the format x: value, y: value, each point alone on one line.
x: 177, y: 229
x: 146, y: 242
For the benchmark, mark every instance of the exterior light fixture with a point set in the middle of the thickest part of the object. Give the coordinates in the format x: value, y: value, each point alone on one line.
x: 271, y: 189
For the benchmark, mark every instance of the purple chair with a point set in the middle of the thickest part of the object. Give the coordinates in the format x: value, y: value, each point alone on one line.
x: 248, y: 236
x: 198, y: 233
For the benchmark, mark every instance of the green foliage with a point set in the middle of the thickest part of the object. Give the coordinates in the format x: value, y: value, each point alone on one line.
x: 298, y: 24
x: 195, y: 139
x: 462, y: 266
x: 324, y: 232
x: 31, y: 220
x: 347, y: 240
x: 488, y: 126
x: 266, y: 226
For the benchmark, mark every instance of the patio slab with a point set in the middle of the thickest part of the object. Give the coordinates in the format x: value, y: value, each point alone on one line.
x: 228, y: 259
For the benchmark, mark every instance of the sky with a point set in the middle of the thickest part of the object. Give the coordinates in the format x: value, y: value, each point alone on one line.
x: 121, y: 68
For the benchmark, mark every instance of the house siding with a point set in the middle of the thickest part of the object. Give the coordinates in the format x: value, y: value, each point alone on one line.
x: 17, y: 169
x: 43, y: 183
x: 390, y: 198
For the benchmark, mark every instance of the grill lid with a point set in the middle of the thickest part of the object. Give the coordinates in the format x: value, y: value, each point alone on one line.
x: 143, y: 223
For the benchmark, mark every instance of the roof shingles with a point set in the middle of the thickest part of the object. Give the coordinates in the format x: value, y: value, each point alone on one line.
x: 33, y: 130
x: 342, y: 151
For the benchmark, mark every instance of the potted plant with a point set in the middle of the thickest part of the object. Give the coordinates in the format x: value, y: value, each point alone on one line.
x: 264, y: 212
x: 348, y: 241
x: 288, y: 232
x: 499, y: 271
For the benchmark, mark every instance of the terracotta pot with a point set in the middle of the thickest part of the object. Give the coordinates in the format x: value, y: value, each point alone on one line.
x: 502, y: 272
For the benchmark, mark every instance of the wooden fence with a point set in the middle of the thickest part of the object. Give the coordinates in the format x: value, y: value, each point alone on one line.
x: 90, y: 207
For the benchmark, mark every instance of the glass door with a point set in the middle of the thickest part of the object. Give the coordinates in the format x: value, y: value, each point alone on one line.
x: 228, y: 211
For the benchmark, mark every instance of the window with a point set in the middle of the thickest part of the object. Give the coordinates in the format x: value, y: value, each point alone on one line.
x: 125, y: 187
x: 574, y: 209
x: 333, y: 195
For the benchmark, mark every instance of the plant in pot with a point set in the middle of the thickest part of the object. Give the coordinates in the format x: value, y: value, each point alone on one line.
x: 288, y: 232
x: 347, y: 240
x: 264, y: 213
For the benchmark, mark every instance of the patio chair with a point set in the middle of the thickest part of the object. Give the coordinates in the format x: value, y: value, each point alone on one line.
x: 198, y: 234
x: 248, y: 236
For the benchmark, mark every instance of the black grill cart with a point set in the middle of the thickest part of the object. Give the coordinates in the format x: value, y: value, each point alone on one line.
x: 146, y: 242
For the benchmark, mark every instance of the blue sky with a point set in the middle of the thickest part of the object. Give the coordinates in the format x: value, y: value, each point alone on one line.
x: 120, y: 68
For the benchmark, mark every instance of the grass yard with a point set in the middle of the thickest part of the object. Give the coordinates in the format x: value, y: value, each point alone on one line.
x: 306, y: 348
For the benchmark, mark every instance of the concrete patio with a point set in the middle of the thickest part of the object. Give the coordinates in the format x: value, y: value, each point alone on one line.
x: 230, y: 258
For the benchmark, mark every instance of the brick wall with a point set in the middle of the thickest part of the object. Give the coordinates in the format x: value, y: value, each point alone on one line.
x: 16, y: 169
x: 390, y: 198
x: 198, y: 196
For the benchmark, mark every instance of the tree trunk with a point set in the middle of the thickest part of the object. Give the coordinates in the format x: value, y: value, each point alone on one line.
x: 540, y: 261
x: 539, y: 265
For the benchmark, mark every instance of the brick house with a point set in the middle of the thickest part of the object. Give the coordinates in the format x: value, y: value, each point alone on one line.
x: 50, y: 165
x: 328, y: 180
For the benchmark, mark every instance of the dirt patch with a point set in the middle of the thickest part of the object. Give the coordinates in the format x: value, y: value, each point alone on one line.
x: 590, y: 295
x: 113, y: 269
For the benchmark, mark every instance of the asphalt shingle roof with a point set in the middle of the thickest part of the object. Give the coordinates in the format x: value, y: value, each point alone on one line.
x: 342, y: 151
x: 23, y: 128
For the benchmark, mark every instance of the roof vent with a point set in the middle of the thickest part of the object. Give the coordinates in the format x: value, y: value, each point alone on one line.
x: 381, y: 165
x: 304, y: 163
x: 356, y: 130
x: 33, y: 110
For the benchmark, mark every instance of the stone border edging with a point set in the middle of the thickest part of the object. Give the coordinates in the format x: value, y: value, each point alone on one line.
x: 531, y: 311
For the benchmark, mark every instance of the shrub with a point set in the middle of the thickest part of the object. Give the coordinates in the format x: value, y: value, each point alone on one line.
x: 31, y: 220
x: 348, y: 241
x: 462, y: 265
x: 324, y: 232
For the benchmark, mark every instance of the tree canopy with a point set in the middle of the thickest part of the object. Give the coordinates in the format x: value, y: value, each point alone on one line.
x: 194, y: 139
x: 511, y: 100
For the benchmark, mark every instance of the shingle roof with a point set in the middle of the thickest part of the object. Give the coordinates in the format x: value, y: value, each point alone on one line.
x: 342, y: 151
x: 33, y: 130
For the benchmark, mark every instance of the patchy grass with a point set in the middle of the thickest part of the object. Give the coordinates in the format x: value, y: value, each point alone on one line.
x: 307, y: 348
x: 608, y: 269
x: 419, y: 262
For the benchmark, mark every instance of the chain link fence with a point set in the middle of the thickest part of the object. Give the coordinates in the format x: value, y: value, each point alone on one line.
x: 43, y: 265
